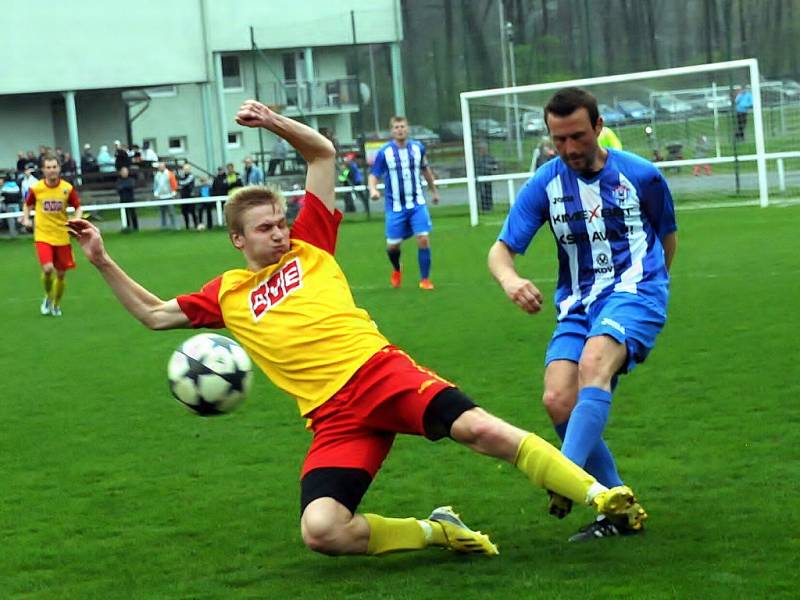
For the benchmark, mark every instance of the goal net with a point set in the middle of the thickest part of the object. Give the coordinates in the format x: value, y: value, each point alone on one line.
x: 683, y: 119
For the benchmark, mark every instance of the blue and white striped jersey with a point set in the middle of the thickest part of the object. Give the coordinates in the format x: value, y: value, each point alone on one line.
x: 401, y: 170
x: 607, y: 229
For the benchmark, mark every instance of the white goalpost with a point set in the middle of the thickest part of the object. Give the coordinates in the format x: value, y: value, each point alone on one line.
x: 686, y: 118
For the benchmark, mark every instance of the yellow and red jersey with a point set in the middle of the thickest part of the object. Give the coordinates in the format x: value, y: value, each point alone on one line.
x: 297, y: 318
x: 50, y: 205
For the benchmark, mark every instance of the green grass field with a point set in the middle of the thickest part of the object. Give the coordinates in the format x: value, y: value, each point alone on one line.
x: 110, y: 489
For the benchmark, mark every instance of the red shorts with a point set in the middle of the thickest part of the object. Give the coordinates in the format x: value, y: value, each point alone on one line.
x: 356, y: 427
x: 60, y: 256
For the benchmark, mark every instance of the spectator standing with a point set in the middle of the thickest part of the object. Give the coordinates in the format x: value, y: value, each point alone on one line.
x: 27, y: 182
x: 232, y: 179
x: 253, y: 175
x: 126, y: 186
x: 186, y: 189
x: 10, y: 199
x: 21, y: 160
x: 149, y: 156
x: 485, y: 164
x: 351, y: 175
x: 105, y: 162
x: 743, y: 102
x: 69, y: 170
x: 121, y: 156
x: 88, y: 160
x: 204, y: 191
x: 544, y: 152
x: 162, y: 190
x: 277, y: 159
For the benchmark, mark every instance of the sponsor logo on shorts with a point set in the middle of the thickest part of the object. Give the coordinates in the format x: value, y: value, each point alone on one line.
x: 274, y: 290
x: 613, y: 324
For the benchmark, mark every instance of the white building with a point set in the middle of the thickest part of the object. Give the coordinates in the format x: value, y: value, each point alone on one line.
x: 174, y: 73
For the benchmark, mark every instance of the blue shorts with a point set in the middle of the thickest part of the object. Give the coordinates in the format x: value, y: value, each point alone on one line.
x: 627, y: 318
x: 407, y: 222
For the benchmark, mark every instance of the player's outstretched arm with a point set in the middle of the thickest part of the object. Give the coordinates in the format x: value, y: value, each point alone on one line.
x: 520, y: 291
x: 315, y: 148
x: 140, y: 302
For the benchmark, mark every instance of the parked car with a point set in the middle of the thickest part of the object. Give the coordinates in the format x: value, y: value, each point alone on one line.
x: 611, y: 117
x: 706, y: 102
x: 451, y: 131
x: 490, y: 128
x: 532, y: 122
x: 635, y: 111
x: 423, y: 134
x: 670, y: 105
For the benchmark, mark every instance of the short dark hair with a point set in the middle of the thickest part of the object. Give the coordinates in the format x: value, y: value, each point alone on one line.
x: 49, y: 157
x: 567, y: 101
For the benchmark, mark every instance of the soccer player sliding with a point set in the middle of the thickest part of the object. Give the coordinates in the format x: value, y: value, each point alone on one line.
x: 291, y: 308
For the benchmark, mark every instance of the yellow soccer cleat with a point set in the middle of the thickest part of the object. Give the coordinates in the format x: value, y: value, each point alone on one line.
x: 459, y: 537
x: 620, y: 505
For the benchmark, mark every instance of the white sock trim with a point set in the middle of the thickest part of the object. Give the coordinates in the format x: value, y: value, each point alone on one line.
x: 427, y: 530
x: 594, y: 489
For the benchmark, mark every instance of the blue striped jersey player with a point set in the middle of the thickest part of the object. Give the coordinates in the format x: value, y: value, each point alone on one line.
x: 612, y: 217
x: 402, y: 163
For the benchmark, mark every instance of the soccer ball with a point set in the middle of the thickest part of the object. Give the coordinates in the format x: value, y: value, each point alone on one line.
x: 210, y: 374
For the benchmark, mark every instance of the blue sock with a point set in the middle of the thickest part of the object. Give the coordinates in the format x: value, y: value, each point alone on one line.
x: 600, y: 462
x: 424, y: 256
x: 586, y: 424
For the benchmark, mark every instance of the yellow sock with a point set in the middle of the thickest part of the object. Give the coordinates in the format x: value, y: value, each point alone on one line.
x: 390, y: 535
x: 546, y: 467
x: 47, y: 281
x: 58, y: 291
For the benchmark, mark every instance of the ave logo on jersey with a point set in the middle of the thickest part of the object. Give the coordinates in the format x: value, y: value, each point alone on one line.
x: 274, y: 290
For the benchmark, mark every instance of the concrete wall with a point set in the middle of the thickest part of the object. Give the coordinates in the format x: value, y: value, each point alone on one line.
x: 102, y: 45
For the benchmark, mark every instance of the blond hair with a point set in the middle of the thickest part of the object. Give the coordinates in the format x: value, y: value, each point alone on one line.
x: 246, y: 198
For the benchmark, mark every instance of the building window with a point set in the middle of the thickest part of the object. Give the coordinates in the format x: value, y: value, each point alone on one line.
x: 162, y: 91
x: 235, y: 139
x: 177, y: 145
x: 231, y: 73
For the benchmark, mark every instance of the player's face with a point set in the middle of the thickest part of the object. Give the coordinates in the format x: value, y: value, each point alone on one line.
x: 400, y: 131
x: 576, y: 140
x: 266, y: 235
x: 51, y: 171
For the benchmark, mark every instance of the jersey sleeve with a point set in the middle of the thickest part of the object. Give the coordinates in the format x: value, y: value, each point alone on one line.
x: 423, y: 161
x: 379, y: 166
x: 316, y: 224
x: 529, y: 213
x: 30, y: 199
x: 73, y: 199
x: 202, y: 308
x: 657, y: 205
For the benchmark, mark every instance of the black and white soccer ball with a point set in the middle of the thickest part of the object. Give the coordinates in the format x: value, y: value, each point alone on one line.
x: 210, y: 374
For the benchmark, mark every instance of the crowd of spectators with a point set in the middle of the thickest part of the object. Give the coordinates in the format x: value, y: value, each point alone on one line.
x: 137, y: 174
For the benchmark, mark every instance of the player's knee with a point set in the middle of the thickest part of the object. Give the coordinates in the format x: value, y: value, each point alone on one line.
x: 558, y: 403
x: 593, y: 368
x: 478, y: 428
x: 423, y: 241
x: 48, y: 269
x: 320, y: 532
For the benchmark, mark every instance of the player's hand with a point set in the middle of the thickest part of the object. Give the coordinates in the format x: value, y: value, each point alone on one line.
x: 254, y: 114
x: 524, y: 294
x: 89, y: 238
x: 26, y: 222
x: 435, y: 196
x: 374, y: 195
